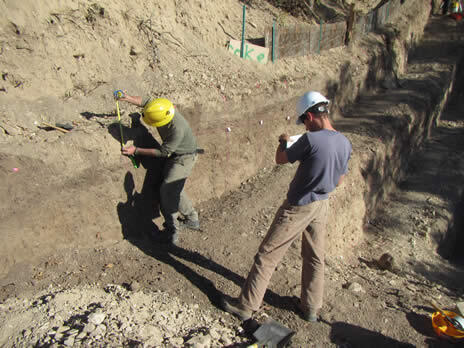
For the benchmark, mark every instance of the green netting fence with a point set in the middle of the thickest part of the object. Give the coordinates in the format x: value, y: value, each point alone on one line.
x: 301, y: 40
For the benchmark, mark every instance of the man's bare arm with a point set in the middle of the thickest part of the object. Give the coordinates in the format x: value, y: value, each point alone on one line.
x: 281, y: 155
x: 136, y: 100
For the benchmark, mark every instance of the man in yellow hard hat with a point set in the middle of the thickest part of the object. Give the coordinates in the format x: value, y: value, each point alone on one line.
x: 179, y: 147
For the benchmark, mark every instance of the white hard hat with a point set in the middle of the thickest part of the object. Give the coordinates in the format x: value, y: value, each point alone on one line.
x: 308, y: 100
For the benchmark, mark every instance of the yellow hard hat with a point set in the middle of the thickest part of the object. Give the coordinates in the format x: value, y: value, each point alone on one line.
x: 158, y: 112
x: 443, y: 328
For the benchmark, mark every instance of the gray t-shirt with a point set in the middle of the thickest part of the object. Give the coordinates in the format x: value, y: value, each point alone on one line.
x: 323, y: 157
x: 177, y: 136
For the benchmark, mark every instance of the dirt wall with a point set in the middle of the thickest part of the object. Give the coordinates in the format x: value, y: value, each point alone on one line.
x: 68, y: 189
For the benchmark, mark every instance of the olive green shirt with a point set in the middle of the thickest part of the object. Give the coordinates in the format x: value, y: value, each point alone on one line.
x: 177, y: 136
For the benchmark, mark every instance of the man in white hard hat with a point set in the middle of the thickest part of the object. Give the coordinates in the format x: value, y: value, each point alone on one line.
x: 323, y: 154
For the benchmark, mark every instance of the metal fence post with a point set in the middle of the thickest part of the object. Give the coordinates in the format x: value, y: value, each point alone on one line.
x: 273, y: 40
x: 242, y: 46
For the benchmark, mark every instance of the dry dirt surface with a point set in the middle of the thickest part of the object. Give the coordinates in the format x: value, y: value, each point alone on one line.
x: 101, y: 280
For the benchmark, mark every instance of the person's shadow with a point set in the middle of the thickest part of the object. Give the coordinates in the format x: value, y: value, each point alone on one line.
x: 136, y: 217
x: 351, y: 336
x: 137, y: 213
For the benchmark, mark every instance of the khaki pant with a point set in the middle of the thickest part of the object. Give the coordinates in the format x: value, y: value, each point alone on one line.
x: 173, y: 199
x: 289, y: 223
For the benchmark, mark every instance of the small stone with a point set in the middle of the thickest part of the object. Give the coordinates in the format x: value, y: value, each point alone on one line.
x: 134, y: 51
x: 26, y: 333
x: 215, y: 335
x: 227, y: 341
x: 355, y: 287
x: 7, y: 129
x: 99, y: 331
x: 62, y: 329
x: 81, y: 335
x: 96, y: 318
x: 69, y: 342
x: 90, y: 327
x: 72, y: 332
x: 134, y: 286
x: 177, y: 341
x: 199, y: 341
x: 386, y: 262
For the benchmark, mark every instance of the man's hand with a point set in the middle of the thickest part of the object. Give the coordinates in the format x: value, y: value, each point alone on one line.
x: 128, y: 150
x: 283, y: 137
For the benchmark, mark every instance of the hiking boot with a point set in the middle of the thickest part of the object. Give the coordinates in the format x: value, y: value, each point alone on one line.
x: 169, y: 237
x: 309, y: 316
x: 175, y: 238
x: 235, y: 308
x: 190, y: 224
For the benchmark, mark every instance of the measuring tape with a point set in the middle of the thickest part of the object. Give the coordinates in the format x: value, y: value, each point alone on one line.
x: 119, y: 94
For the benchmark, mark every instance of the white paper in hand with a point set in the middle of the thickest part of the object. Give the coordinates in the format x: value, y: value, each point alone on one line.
x: 292, y: 139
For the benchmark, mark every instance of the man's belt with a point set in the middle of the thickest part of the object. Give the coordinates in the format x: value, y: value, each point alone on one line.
x: 199, y: 151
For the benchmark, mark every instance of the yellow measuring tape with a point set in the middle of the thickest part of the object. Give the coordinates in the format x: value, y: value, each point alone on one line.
x: 132, y: 158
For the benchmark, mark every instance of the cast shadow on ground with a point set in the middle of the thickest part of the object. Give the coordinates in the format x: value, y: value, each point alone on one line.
x: 421, y: 322
x: 352, y: 336
x: 138, y: 228
x: 423, y: 325
x: 136, y: 217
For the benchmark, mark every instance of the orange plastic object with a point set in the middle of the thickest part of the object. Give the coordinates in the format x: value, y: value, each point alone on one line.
x: 445, y: 329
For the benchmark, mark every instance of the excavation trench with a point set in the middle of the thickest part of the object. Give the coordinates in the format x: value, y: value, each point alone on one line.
x: 387, y: 108
x: 450, y: 243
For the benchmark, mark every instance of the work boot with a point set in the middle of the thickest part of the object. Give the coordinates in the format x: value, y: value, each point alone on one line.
x: 169, y: 236
x: 190, y: 224
x: 235, y: 308
x: 309, y: 316
x: 175, y: 238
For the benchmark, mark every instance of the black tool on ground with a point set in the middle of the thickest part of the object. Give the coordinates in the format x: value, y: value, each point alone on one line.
x: 271, y: 334
x: 455, y: 322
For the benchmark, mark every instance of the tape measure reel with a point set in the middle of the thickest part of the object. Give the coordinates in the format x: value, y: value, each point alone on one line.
x: 118, y: 94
